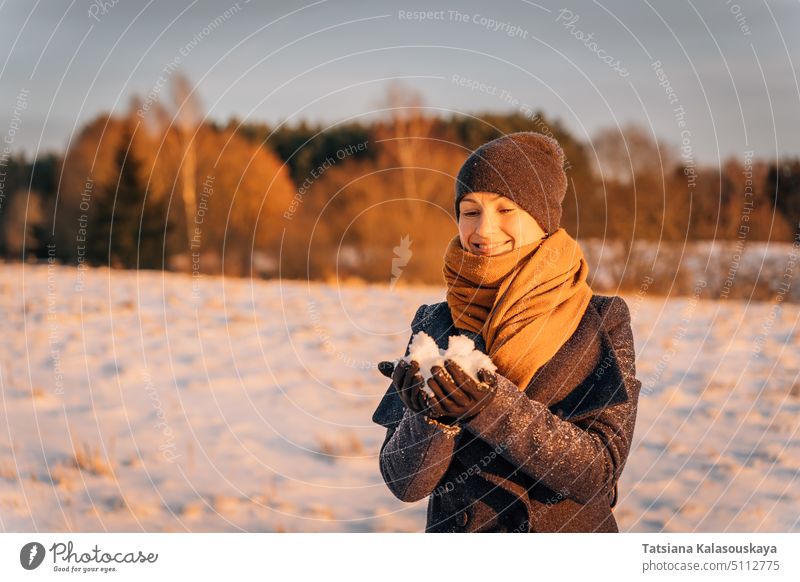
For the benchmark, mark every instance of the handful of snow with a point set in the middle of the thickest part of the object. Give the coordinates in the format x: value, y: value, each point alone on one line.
x: 460, y: 349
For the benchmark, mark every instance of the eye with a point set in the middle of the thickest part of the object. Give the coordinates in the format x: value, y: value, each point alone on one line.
x: 507, y: 210
x: 470, y: 213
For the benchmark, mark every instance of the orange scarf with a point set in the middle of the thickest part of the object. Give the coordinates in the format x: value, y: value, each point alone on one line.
x: 525, y: 303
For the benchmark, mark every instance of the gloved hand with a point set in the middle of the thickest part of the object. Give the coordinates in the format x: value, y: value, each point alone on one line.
x: 407, y: 382
x: 386, y: 368
x: 458, y: 395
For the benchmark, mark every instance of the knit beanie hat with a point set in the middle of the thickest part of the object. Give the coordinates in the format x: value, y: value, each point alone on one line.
x: 526, y: 167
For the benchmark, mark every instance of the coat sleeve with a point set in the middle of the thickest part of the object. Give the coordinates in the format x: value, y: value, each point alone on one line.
x: 415, y: 454
x: 580, y: 458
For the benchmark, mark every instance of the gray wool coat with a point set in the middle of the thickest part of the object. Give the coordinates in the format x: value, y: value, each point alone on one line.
x: 519, y: 465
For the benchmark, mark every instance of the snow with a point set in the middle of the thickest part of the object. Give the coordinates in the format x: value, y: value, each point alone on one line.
x: 728, y: 269
x: 460, y: 349
x: 138, y: 404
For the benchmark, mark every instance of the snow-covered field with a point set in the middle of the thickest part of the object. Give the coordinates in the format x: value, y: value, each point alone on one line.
x: 149, y: 401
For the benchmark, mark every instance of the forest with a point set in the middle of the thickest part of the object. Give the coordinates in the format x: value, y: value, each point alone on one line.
x: 163, y: 187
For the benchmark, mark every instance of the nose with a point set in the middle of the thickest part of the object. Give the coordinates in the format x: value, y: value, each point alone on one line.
x: 486, y: 224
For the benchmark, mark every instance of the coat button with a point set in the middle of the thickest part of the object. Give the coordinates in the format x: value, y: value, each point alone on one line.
x: 462, y: 518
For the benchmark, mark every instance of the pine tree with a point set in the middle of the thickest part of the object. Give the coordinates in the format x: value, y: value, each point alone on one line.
x: 130, y: 227
x: 783, y: 186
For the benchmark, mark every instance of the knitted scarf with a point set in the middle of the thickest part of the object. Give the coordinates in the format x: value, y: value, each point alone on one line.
x: 525, y: 303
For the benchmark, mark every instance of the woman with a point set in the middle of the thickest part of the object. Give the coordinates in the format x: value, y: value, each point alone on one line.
x: 539, y: 445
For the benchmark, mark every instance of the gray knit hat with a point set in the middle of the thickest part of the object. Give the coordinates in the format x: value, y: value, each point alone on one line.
x: 526, y: 167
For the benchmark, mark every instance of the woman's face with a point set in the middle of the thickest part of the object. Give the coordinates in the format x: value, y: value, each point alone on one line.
x: 490, y: 224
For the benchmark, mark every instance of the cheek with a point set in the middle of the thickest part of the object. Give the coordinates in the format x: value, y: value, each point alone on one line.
x: 513, y: 229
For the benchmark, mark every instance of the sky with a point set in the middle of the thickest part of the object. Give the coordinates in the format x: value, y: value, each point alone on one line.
x: 718, y: 78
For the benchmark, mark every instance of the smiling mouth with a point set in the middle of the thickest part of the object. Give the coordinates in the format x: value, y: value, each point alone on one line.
x: 484, y: 249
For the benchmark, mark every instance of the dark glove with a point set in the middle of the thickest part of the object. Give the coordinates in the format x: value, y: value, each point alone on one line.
x: 458, y: 395
x: 386, y: 368
x: 407, y: 383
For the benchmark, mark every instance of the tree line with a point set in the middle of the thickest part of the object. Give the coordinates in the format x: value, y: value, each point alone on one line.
x: 168, y: 189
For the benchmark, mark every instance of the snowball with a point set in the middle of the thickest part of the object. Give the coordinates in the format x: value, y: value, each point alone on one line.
x: 460, y: 349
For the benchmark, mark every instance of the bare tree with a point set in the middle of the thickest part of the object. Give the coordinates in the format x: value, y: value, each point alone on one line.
x: 629, y: 153
x: 405, y: 131
x: 187, y: 117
